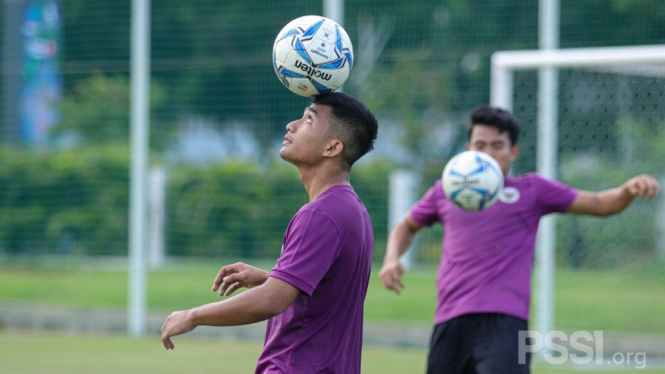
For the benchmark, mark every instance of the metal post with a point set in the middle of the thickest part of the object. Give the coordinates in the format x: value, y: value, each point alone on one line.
x: 157, y: 216
x: 547, y: 163
x: 140, y: 83
x: 334, y: 9
x: 402, y: 195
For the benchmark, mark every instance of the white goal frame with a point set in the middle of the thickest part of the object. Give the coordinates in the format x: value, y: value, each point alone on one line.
x: 547, y: 61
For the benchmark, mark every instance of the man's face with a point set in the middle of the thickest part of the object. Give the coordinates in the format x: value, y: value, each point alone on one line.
x: 306, y: 137
x: 488, y: 139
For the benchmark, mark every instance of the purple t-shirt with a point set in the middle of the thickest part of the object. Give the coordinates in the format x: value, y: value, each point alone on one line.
x: 487, y: 256
x: 327, y: 253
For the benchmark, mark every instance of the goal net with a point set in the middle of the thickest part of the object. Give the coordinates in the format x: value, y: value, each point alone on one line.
x: 592, y: 118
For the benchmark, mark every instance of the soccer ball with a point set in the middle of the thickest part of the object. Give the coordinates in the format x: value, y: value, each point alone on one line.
x: 312, y: 55
x: 472, y: 180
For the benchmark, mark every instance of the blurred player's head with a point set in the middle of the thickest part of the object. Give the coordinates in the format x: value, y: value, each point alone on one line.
x: 501, y: 119
x: 494, y: 131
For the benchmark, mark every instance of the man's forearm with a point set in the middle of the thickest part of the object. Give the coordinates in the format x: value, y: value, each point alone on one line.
x: 614, y: 200
x: 399, y: 241
x: 254, y: 305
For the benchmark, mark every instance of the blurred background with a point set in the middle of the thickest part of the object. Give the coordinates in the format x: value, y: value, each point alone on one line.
x: 217, y: 190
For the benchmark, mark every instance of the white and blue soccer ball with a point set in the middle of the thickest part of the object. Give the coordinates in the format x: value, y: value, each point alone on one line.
x: 472, y: 180
x: 312, y: 55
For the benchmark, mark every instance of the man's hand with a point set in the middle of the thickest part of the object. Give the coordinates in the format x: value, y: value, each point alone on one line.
x: 235, y: 276
x: 176, y: 324
x: 643, y: 185
x: 391, y: 275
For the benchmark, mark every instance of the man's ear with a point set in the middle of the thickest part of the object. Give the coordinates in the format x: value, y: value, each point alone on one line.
x: 334, y: 148
x: 514, y: 152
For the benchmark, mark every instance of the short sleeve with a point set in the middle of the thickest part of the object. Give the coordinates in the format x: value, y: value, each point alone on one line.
x: 426, y: 211
x: 311, y: 245
x: 554, y: 196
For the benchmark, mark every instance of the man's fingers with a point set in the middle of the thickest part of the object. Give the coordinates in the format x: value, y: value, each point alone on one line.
x: 166, y: 340
x: 218, y: 280
x: 393, y: 286
x: 644, y: 186
x: 224, y: 272
x: 399, y: 282
x: 652, y: 188
x: 392, y: 280
x: 231, y: 280
x: 168, y: 344
x: 232, y: 289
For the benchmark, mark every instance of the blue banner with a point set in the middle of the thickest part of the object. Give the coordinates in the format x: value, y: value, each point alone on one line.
x: 41, y: 86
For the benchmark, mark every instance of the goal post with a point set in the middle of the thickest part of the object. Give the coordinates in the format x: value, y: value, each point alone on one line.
x: 504, y: 63
x: 639, y: 60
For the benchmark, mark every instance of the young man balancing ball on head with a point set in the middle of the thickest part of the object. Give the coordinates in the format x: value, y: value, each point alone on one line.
x: 313, y: 298
x: 485, y: 273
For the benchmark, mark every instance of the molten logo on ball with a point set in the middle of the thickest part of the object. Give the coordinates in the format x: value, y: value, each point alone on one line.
x: 312, y: 55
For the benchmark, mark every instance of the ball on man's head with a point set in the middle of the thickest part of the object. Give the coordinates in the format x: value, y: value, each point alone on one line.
x: 472, y: 180
x: 312, y: 55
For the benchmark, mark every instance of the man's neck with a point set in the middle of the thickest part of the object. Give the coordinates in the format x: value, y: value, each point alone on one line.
x: 318, y: 180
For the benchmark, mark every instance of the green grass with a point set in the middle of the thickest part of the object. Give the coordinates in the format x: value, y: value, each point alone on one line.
x: 611, y: 300
x: 57, y: 353
x: 54, y: 353
x: 585, y: 299
x: 185, y: 287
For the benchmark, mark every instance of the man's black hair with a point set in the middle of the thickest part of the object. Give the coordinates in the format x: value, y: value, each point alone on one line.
x: 353, y: 123
x: 499, y: 118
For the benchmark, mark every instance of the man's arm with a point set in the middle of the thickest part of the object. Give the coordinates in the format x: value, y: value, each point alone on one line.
x: 614, y: 200
x: 399, y: 241
x: 254, y: 305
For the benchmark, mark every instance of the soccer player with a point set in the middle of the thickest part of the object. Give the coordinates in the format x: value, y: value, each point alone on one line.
x: 484, y: 277
x: 313, y: 298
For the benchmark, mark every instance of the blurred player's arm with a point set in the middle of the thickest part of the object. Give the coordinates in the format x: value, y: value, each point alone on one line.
x: 400, y: 239
x: 257, y: 304
x: 614, y: 200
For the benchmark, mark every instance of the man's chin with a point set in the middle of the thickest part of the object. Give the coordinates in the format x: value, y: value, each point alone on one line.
x: 283, y: 155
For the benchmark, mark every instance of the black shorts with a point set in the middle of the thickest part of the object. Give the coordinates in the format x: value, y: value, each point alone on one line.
x: 484, y: 343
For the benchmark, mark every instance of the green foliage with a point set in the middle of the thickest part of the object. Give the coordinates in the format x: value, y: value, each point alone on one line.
x: 605, y: 241
x: 214, y: 58
x: 76, y: 202
x: 242, y: 209
x: 68, y: 201
x: 230, y: 208
x: 98, y: 110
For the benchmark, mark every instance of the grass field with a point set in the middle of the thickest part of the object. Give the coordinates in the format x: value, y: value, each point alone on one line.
x: 585, y: 299
x: 56, y: 353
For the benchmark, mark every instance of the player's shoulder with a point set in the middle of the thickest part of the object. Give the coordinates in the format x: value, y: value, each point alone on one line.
x: 522, y: 180
x: 534, y: 181
x: 526, y: 179
x: 336, y: 201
